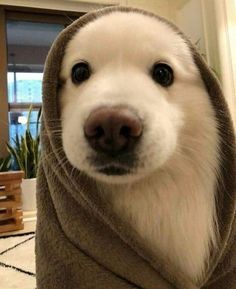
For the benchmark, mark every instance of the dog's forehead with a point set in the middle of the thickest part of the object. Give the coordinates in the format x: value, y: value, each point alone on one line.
x: 121, y: 26
x: 133, y: 35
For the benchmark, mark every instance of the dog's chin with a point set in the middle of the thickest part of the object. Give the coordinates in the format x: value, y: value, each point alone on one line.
x: 113, y: 170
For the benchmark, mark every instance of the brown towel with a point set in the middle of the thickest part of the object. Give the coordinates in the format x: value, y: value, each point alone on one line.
x: 81, y: 243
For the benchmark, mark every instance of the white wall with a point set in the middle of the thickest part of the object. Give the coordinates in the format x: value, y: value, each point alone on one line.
x: 226, y: 27
x: 189, y: 19
x: 231, y: 29
x: 160, y: 7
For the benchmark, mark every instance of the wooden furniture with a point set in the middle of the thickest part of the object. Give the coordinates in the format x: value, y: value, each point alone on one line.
x: 11, y: 215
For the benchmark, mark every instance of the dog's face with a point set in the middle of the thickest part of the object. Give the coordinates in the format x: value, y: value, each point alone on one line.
x: 130, y: 93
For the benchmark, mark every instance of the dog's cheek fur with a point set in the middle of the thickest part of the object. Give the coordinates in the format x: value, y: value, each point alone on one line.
x: 160, y: 141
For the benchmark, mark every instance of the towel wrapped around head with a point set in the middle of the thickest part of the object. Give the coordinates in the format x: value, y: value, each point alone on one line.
x: 81, y: 242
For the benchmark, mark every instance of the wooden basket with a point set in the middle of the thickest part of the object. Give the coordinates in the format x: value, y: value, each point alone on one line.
x: 11, y: 215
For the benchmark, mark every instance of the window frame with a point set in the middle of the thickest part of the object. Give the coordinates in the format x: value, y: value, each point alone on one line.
x: 21, y: 14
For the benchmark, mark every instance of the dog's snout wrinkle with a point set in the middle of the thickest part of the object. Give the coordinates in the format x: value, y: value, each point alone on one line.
x: 112, y: 130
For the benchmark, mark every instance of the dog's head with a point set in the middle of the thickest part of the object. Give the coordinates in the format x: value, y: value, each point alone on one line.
x: 132, y: 98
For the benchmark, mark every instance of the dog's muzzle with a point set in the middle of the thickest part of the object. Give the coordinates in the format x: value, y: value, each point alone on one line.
x: 113, y: 133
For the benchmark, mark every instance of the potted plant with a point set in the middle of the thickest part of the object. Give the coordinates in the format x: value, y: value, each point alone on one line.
x: 26, y: 153
x: 5, y: 163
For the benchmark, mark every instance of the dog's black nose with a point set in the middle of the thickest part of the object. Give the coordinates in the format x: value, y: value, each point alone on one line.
x: 112, y: 130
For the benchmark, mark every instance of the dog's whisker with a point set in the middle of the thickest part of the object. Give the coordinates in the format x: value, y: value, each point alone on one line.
x: 61, y: 163
x: 48, y: 155
x: 51, y: 133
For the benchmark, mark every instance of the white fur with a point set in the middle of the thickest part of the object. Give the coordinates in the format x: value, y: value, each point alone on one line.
x: 169, y: 199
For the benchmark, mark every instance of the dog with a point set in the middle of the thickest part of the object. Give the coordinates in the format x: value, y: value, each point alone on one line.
x: 137, y: 119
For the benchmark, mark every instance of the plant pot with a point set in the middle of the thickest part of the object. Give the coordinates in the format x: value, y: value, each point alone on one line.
x: 29, y: 194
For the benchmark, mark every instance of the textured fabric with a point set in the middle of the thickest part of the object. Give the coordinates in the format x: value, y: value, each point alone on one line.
x: 80, y: 242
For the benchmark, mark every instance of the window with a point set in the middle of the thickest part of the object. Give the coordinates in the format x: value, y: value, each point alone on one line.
x: 28, y: 44
x: 24, y: 87
x: 28, y: 36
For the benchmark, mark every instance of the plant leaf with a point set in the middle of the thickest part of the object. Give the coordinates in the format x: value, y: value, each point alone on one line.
x: 17, y: 157
x: 26, y: 148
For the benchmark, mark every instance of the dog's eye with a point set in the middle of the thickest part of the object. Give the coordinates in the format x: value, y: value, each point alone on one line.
x: 163, y: 74
x: 80, y: 72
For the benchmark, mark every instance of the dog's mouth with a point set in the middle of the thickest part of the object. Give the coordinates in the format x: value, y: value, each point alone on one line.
x: 114, y: 166
x: 114, y: 170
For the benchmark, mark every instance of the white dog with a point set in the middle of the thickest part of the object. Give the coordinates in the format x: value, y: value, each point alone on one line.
x: 136, y: 117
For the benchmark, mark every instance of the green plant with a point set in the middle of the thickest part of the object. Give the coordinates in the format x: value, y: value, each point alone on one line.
x: 26, y: 149
x: 5, y: 163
